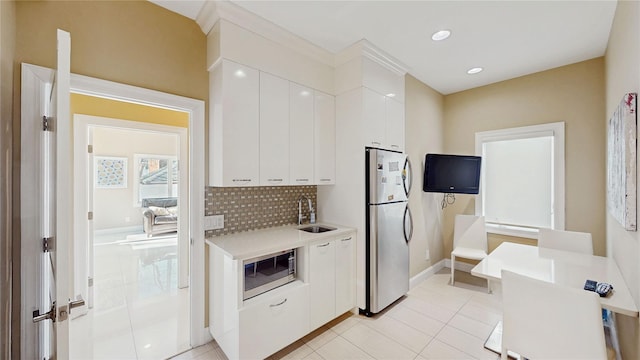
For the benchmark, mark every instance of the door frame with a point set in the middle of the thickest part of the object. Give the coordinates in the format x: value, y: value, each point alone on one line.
x: 32, y: 76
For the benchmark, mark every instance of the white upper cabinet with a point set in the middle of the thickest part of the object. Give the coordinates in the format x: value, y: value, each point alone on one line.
x: 324, y: 130
x: 382, y: 120
x: 274, y: 130
x: 382, y: 80
x: 234, y: 127
x: 267, y: 131
x: 301, y: 134
x: 394, y: 123
x: 373, y: 109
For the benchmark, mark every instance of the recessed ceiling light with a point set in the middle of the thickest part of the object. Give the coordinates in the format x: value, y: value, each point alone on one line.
x: 474, y: 70
x: 240, y: 73
x: 391, y: 95
x: 440, y: 35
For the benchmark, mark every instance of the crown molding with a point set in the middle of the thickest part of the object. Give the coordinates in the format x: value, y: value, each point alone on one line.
x: 367, y: 49
x: 213, y: 11
x: 207, y: 17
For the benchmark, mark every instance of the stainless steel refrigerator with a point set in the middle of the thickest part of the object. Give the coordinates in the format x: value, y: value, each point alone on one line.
x: 389, y: 228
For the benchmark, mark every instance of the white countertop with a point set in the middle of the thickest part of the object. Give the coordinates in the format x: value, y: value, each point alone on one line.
x: 250, y: 244
x: 560, y: 267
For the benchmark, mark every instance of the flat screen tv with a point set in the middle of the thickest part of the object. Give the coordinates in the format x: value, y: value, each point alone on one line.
x: 457, y: 174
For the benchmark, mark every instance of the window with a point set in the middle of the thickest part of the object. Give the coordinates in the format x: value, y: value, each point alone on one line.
x: 522, y: 179
x: 156, y: 176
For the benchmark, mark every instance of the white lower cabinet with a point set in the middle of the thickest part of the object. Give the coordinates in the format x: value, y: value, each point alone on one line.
x: 345, y: 273
x: 331, y: 279
x: 264, y: 324
x: 273, y: 322
x: 322, y: 283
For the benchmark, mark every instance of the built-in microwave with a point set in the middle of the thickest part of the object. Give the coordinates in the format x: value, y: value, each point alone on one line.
x: 265, y: 273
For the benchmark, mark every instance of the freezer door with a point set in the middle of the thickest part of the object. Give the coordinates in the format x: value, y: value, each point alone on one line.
x: 387, y: 176
x: 389, y: 255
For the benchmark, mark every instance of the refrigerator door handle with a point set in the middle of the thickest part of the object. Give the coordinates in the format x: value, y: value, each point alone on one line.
x: 407, y: 176
x: 407, y: 214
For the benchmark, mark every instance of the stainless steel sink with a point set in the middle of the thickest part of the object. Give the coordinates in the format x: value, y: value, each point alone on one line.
x: 316, y: 229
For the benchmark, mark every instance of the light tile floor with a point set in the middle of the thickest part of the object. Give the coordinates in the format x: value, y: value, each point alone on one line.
x: 138, y: 313
x: 434, y: 321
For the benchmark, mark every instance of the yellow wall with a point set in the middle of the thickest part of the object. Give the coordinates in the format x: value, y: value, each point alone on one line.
x: 573, y: 94
x: 424, y: 117
x: 622, y: 68
x: 91, y: 105
x: 130, y: 42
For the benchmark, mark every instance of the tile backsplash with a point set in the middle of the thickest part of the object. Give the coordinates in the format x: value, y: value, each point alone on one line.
x: 250, y: 208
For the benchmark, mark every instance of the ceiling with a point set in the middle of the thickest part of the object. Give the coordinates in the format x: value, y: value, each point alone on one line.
x: 507, y: 38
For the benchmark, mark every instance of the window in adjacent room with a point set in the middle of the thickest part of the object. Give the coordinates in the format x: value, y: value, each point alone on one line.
x: 156, y: 176
x: 522, y: 179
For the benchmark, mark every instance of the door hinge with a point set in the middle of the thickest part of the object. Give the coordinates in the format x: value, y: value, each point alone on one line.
x: 90, y: 149
x: 90, y: 281
x: 90, y: 215
x: 47, y: 123
x: 47, y: 244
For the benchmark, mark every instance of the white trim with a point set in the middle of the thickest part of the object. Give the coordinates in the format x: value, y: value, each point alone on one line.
x: 550, y: 129
x: 426, y: 273
x: 213, y: 11
x: 364, y: 48
x: 462, y: 266
x: 33, y: 81
x: 195, y: 108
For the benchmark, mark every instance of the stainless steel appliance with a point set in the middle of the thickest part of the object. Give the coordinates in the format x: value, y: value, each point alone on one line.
x: 267, y: 272
x: 389, y: 228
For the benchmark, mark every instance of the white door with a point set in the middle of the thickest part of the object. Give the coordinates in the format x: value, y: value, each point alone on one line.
x: 55, y: 215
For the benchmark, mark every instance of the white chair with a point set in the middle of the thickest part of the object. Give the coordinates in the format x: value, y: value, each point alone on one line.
x: 566, y: 240
x: 469, y: 241
x: 542, y: 320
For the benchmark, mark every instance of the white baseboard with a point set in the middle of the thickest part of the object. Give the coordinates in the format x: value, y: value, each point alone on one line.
x: 462, y: 266
x: 426, y: 273
x: 203, y: 338
x: 119, y: 230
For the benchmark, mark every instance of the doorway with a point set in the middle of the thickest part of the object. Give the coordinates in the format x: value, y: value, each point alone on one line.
x: 136, y: 264
x: 35, y: 80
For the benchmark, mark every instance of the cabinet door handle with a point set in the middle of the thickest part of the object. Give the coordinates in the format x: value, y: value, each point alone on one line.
x: 241, y: 180
x: 375, y: 143
x: 325, y: 179
x: 347, y: 239
x: 323, y: 245
x: 274, y: 180
x: 278, y: 304
x: 302, y: 179
x: 395, y: 146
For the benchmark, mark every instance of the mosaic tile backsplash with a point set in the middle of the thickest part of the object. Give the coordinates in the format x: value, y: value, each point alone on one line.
x: 250, y: 208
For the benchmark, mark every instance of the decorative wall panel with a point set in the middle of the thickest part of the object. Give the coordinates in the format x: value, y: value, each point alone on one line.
x: 621, y: 163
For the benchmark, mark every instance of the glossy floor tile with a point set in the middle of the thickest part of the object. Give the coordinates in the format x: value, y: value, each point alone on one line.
x: 434, y: 321
x: 138, y: 310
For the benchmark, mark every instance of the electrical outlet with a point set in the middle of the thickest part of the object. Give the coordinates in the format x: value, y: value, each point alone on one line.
x: 214, y: 222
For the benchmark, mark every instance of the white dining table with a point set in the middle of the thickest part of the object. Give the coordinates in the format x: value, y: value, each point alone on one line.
x: 559, y: 267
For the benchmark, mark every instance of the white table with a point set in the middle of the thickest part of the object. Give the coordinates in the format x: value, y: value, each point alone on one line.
x: 559, y: 267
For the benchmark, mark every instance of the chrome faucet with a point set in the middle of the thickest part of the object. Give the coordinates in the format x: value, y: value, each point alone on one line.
x: 312, y: 212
